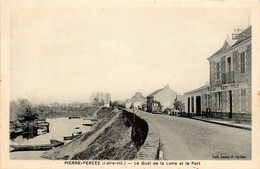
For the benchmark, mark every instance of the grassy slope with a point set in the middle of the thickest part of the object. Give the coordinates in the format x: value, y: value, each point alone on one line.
x: 113, y: 144
x: 63, y: 152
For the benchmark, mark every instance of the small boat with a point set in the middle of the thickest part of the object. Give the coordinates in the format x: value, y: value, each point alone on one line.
x: 31, y: 147
x: 70, y: 137
x: 57, y: 144
x: 77, y: 127
x: 74, y: 117
x: 42, y: 130
x: 87, y: 124
x: 15, y: 133
x: 18, y: 131
x: 53, y: 141
x: 77, y: 133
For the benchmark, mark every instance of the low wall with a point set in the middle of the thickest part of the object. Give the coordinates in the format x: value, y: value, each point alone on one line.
x: 238, y: 117
x: 144, y: 134
x: 242, y: 117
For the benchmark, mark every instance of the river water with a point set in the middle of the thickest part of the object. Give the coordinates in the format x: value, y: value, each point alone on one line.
x: 59, y: 127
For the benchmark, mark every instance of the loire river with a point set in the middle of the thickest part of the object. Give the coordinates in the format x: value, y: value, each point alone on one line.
x: 59, y: 127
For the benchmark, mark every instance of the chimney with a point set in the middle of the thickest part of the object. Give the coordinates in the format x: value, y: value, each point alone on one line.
x: 166, y: 87
x: 227, y: 36
x: 236, y: 32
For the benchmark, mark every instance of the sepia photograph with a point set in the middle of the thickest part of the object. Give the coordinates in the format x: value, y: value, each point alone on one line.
x: 122, y: 84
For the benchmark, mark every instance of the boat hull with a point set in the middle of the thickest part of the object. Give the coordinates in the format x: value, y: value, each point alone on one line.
x: 54, y: 143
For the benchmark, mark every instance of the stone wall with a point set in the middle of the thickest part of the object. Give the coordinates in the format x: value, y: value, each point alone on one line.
x: 219, y: 115
x: 144, y: 128
x: 241, y: 117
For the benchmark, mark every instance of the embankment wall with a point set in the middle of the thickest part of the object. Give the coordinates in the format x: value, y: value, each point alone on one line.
x: 144, y: 134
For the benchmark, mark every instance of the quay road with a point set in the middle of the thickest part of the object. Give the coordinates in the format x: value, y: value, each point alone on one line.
x: 189, y: 139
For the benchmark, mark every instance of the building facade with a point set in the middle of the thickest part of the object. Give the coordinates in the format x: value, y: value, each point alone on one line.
x: 198, y: 101
x: 230, y: 78
x: 136, y: 101
x: 161, y: 99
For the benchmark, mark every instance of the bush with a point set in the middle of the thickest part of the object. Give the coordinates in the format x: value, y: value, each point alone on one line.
x: 22, y: 110
x: 167, y: 111
x: 28, y: 115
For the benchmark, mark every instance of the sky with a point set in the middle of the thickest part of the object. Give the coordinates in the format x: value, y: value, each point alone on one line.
x: 66, y: 54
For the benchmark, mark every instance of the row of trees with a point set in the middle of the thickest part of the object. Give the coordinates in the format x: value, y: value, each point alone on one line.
x: 100, y: 99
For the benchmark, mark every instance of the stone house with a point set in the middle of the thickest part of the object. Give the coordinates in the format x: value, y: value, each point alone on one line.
x: 197, y: 101
x: 161, y: 99
x: 128, y: 104
x: 136, y: 101
x: 230, y: 77
x: 137, y: 105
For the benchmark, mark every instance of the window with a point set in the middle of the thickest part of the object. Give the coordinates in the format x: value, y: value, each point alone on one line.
x: 229, y: 64
x: 218, y: 75
x: 243, y: 100
x: 218, y: 100
x: 242, y: 62
x: 243, y: 92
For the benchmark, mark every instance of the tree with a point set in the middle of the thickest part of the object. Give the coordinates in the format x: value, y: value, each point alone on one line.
x: 178, y: 105
x: 95, y: 101
x: 102, y: 102
x: 100, y: 95
x: 22, y: 110
x: 114, y: 104
x: 28, y: 115
x: 107, y: 98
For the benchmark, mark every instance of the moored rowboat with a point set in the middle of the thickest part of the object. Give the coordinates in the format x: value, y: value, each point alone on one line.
x: 54, y: 143
x: 31, y: 147
x: 74, y: 117
x: 70, y: 137
x: 88, y: 124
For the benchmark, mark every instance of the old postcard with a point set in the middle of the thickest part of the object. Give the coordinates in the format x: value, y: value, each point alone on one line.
x: 129, y: 84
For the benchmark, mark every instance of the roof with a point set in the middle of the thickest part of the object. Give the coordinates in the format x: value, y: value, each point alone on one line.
x: 138, y: 96
x: 198, y: 89
x: 155, y: 93
x: 229, y: 43
x: 246, y: 34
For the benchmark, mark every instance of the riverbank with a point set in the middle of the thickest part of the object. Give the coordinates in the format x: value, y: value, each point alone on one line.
x: 114, y: 143
x: 77, y: 112
x: 110, y: 138
x: 59, y: 127
x: 18, y: 127
x: 103, y: 116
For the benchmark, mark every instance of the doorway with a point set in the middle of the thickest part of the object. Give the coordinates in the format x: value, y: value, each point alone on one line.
x: 230, y: 104
x: 198, y: 106
x: 188, y: 105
